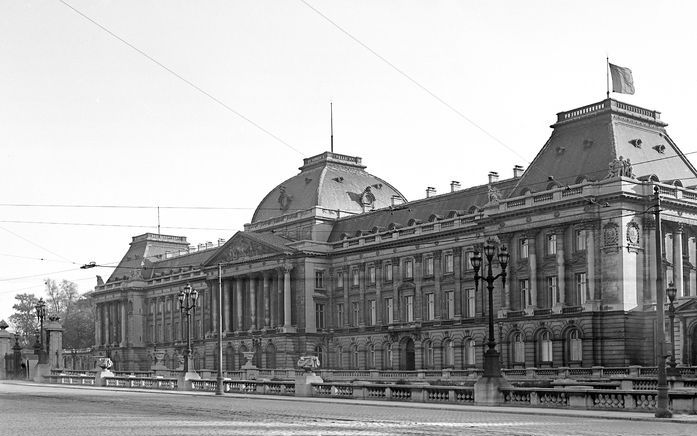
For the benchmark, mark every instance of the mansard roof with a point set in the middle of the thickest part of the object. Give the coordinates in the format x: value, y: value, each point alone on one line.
x: 586, y: 140
x: 329, y: 180
x: 462, y: 202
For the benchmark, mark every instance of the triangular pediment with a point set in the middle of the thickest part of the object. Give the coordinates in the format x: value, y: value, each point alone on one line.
x: 687, y: 306
x: 248, y: 246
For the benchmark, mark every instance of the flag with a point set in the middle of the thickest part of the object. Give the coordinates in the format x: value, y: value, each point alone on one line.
x: 622, y: 81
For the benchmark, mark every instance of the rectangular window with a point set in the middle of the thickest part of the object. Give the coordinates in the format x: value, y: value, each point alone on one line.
x: 356, y: 311
x: 319, y: 315
x: 409, y: 308
x: 552, y: 244
x: 373, y: 312
x: 552, y: 290
x: 467, y: 262
x: 581, y: 288
x: 319, y: 279
x: 408, y: 269
x: 340, y: 315
x: 448, y: 263
x: 388, y: 271
x: 469, y: 303
x: 389, y: 311
x: 354, y: 277
x: 430, y: 306
x: 371, y: 274
x: 580, y: 240
x: 450, y: 304
x: 524, y: 286
x: 524, y: 248
x: 340, y: 279
x: 428, y: 266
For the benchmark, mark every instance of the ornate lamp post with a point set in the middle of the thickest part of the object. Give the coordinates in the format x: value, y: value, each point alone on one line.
x: 40, y: 315
x: 492, y: 366
x: 671, y: 292
x: 187, y: 303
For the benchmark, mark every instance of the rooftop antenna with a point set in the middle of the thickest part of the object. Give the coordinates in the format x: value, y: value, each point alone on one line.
x: 158, y: 220
x: 331, y: 125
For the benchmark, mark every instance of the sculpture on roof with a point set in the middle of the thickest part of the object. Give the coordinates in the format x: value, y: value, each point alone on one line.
x: 494, y: 194
x: 620, y: 167
x: 284, y: 199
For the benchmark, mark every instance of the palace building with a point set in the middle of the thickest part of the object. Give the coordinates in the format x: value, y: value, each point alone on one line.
x: 336, y: 262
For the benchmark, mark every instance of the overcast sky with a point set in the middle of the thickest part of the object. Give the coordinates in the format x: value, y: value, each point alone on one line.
x: 87, y: 120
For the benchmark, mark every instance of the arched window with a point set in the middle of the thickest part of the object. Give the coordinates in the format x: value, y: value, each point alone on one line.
x: 387, y: 358
x: 428, y: 354
x: 469, y: 348
x: 354, y: 356
x: 448, y: 354
x: 321, y: 354
x: 518, y: 348
x: 340, y: 357
x: 575, y: 346
x: 371, y: 356
x: 546, y: 347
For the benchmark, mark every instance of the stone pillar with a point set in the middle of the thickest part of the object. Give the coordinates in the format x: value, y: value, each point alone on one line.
x: 348, y: 281
x: 378, y: 295
x: 239, y: 285
x: 677, y: 259
x: 457, y: 270
x: 561, y: 272
x: 418, y: 297
x: 362, y: 279
x: 124, y: 342
x: 54, y: 332
x: 252, y: 303
x: 532, y: 264
x: 227, y: 313
x: 286, y: 297
x: 107, y: 323
x: 267, y: 299
x: 214, y: 309
x: 5, y: 348
x: 280, y: 304
x: 396, y: 283
x: 437, y: 272
x: 98, y: 326
x: 691, y: 288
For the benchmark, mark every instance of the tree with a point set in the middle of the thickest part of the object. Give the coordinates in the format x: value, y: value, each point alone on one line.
x: 79, y: 324
x: 24, y: 319
x: 61, y: 297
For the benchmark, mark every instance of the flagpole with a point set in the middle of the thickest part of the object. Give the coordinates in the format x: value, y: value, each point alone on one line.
x: 607, y: 75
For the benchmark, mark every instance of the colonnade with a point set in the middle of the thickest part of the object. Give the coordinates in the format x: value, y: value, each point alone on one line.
x: 253, y: 301
x: 111, y: 323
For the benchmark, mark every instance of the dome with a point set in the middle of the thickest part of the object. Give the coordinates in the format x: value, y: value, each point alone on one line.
x: 332, y: 181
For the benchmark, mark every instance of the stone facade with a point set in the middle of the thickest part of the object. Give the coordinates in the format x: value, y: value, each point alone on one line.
x: 364, y: 279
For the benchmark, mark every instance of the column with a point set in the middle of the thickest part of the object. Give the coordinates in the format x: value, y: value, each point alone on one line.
x: 418, y: 277
x: 362, y: 279
x: 457, y: 270
x: 378, y: 294
x: 561, y: 272
x: 214, y: 309
x: 164, y: 306
x: 267, y: 299
x: 692, y: 258
x: 286, y: 297
x: 532, y: 264
x: 677, y: 259
x: 252, y: 303
x: 239, y: 284
x: 107, y: 324
x: 348, y: 280
x: 396, y: 283
x: 437, y: 272
x: 98, y: 326
x: 590, y: 262
x: 279, y: 298
x: 123, y: 323
x: 227, y: 313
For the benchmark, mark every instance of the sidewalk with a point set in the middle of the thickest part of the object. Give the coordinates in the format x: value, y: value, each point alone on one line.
x: 539, y: 411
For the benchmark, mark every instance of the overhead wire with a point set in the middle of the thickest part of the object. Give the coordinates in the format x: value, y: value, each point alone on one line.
x: 178, y: 76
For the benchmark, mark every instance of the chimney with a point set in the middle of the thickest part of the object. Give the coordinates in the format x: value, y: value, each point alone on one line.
x: 493, y: 177
x: 454, y: 185
x: 429, y: 190
x: 209, y: 244
x: 201, y: 247
x: 518, y: 171
x: 221, y: 241
x: 396, y: 199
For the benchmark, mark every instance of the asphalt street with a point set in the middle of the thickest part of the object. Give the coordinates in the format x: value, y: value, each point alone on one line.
x: 38, y: 410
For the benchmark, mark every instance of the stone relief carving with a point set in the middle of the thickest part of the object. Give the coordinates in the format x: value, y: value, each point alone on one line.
x: 244, y: 248
x: 610, y: 235
x: 284, y: 199
x: 620, y: 167
x: 633, y: 233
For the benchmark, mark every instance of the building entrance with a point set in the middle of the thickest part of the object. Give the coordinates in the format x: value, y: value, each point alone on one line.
x: 407, y: 359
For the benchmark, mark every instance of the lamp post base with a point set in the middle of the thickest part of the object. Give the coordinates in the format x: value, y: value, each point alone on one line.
x: 487, y: 390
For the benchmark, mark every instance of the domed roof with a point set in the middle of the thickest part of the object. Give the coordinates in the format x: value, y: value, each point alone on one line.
x: 329, y: 180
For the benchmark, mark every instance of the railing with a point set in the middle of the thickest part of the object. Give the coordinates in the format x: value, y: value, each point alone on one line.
x: 391, y: 392
x: 169, y: 384
x: 74, y: 379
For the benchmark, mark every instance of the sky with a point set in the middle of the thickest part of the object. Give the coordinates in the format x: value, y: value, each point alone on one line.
x: 113, y: 108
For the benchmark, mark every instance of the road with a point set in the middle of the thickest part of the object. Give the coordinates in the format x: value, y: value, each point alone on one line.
x: 32, y: 409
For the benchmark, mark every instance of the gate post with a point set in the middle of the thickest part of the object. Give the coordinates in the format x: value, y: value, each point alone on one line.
x: 5, y: 342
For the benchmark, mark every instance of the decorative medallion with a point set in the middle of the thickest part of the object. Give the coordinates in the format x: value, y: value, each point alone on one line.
x: 367, y: 197
x: 610, y: 234
x: 633, y: 233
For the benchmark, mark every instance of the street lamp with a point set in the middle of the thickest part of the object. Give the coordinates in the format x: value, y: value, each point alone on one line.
x: 41, y: 314
x: 671, y: 292
x: 492, y: 366
x: 187, y: 303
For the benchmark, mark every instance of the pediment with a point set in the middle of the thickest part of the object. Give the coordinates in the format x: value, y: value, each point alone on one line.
x: 246, y: 246
x: 687, y: 307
